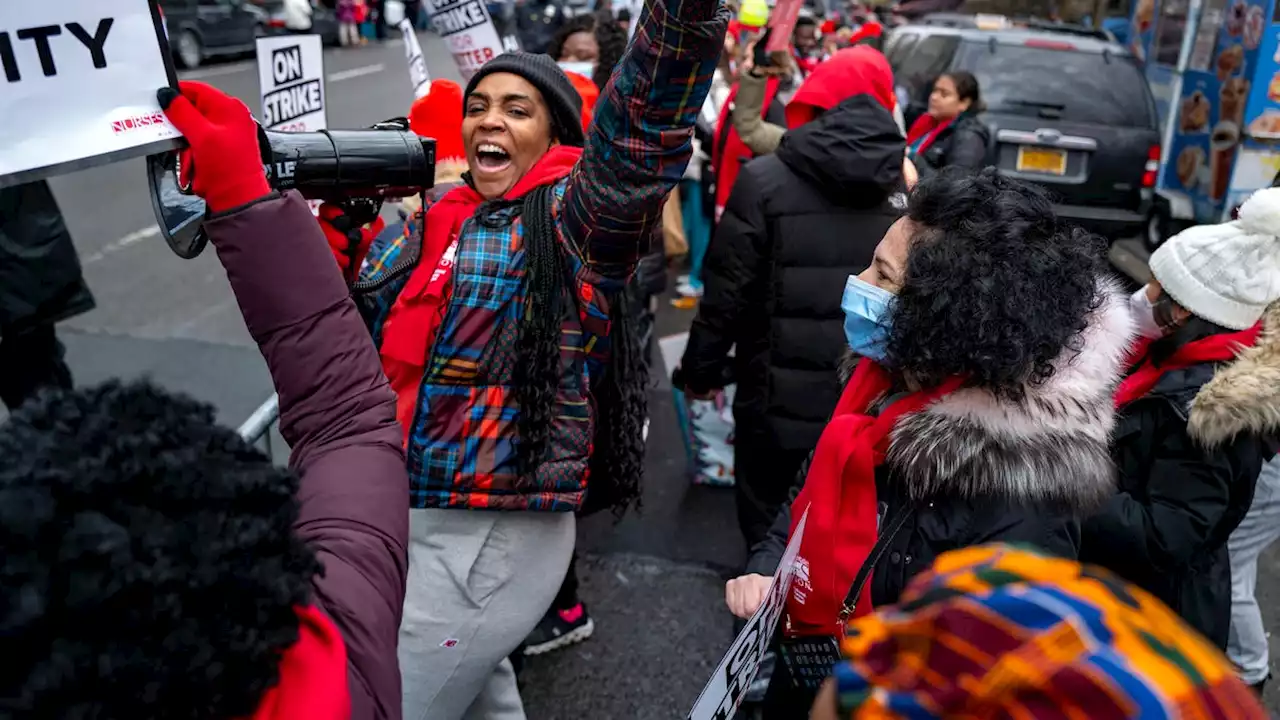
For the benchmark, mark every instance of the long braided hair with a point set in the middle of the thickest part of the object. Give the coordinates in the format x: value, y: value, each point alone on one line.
x: 617, y: 454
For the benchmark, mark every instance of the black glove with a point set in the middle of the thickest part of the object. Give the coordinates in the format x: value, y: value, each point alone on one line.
x: 759, y: 55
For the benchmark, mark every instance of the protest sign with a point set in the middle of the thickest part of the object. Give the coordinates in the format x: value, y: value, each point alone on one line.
x: 469, y: 32
x: 783, y: 23
x: 79, y: 85
x: 418, y: 74
x: 291, y: 82
x: 720, y: 698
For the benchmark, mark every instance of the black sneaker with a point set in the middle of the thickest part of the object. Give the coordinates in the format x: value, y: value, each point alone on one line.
x: 558, y: 629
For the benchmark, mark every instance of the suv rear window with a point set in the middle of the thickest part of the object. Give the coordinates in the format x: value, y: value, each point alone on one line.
x: 1051, y: 83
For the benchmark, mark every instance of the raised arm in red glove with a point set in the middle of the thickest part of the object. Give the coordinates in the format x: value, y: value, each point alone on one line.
x: 223, y: 164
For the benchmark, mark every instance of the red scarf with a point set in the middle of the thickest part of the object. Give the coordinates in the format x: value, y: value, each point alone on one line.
x: 840, y: 494
x: 1215, y: 348
x: 926, y: 127
x: 411, y: 325
x: 730, y: 151
x: 313, y: 674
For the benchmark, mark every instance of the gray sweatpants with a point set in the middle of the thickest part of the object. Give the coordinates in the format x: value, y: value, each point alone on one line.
x: 1247, y: 641
x: 479, y: 581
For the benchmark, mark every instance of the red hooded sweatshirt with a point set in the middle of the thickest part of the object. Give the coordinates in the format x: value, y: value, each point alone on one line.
x: 852, y: 71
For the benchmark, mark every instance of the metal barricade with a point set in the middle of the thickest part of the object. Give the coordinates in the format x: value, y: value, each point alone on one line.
x: 257, y: 429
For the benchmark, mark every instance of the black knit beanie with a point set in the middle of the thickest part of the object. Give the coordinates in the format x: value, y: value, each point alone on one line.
x: 543, y: 73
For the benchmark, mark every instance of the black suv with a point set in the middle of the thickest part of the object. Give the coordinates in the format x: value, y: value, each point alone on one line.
x: 1068, y: 109
x: 199, y: 29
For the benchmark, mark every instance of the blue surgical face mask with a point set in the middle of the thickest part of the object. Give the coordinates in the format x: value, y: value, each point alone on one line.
x: 584, y: 69
x: 866, y: 317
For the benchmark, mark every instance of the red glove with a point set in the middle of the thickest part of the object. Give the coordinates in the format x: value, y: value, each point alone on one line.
x: 223, y: 164
x: 349, y: 242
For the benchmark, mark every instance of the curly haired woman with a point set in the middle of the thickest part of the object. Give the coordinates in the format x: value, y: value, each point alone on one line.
x: 979, y: 411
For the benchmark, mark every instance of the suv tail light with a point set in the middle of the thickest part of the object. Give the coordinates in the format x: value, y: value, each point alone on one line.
x: 275, y: 23
x: 1049, y: 45
x: 1152, y: 168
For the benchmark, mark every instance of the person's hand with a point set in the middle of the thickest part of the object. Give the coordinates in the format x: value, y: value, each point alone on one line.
x: 745, y: 594
x: 223, y: 164
x: 910, y: 175
x: 348, y: 241
x: 678, y: 380
x: 757, y: 60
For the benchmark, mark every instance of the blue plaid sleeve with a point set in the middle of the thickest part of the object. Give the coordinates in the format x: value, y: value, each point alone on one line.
x: 640, y: 141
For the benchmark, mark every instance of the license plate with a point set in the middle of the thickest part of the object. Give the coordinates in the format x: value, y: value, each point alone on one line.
x: 1042, y: 160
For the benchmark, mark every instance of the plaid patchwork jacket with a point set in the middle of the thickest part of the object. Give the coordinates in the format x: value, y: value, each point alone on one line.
x: 461, y: 450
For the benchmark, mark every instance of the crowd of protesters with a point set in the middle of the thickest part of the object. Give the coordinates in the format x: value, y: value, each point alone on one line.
x: 932, y: 368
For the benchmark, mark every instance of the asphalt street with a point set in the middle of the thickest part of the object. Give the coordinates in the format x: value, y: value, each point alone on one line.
x: 653, y: 583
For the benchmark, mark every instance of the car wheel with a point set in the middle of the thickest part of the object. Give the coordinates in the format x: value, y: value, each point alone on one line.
x: 190, y: 50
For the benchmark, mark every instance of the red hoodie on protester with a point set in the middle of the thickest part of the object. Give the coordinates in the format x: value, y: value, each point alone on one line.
x: 849, y: 72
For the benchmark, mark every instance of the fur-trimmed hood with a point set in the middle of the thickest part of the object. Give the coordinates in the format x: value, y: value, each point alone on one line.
x: 1052, y: 446
x: 1243, y: 396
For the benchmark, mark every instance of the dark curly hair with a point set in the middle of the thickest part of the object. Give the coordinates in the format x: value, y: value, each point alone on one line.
x: 995, y: 287
x: 575, y: 25
x: 150, y: 568
x: 611, y: 37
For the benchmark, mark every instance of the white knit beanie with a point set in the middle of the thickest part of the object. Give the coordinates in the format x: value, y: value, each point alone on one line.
x: 1228, y: 273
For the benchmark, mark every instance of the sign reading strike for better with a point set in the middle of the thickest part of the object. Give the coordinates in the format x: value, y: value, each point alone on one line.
x: 291, y: 79
x: 467, y: 28
x: 724, y: 691
x: 78, y: 81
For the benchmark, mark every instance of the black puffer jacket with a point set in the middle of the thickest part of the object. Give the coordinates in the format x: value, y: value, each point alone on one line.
x: 798, y: 223
x: 1189, y: 454
x: 963, y: 143
x: 40, y: 280
x: 974, y: 468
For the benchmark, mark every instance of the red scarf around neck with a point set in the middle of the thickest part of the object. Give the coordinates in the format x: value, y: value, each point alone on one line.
x: 411, y: 324
x: 1215, y: 348
x: 926, y: 129
x: 313, y: 674
x: 840, y: 495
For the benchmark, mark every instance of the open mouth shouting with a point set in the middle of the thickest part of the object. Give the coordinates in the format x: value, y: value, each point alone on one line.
x: 492, y: 158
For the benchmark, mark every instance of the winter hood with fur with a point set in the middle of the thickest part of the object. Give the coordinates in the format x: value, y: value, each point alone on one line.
x: 1049, y: 447
x: 1244, y: 395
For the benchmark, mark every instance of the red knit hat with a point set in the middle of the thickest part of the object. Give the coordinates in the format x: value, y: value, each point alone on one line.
x: 438, y: 114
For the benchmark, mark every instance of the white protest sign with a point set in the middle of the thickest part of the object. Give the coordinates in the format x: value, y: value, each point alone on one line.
x: 720, y: 698
x: 418, y: 74
x: 469, y: 32
x: 79, y: 85
x: 291, y: 82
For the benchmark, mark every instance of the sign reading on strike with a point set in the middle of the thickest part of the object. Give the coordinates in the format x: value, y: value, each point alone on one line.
x: 291, y: 79
x: 418, y: 74
x: 723, y: 693
x: 78, y: 81
x: 467, y: 28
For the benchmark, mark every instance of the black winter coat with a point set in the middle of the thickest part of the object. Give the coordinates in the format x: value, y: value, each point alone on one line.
x: 1189, y: 455
x: 1031, y: 469
x: 40, y: 279
x: 797, y: 224
x: 963, y: 143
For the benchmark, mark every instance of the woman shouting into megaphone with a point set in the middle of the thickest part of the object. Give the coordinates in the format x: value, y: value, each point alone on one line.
x: 519, y: 389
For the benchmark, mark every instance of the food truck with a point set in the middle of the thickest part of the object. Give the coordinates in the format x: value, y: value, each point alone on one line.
x: 1214, y: 70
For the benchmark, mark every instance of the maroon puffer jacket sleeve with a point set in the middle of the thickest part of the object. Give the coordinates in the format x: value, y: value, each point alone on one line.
x: 337, y: 412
